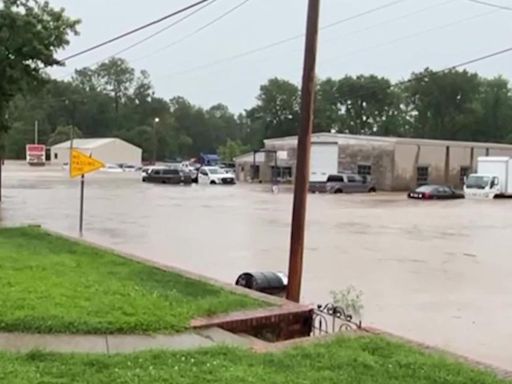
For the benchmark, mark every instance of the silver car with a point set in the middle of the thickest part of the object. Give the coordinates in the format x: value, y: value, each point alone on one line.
x: 345, y: 183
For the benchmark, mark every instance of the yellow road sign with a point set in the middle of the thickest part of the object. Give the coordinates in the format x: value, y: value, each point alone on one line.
x: 82, y: 164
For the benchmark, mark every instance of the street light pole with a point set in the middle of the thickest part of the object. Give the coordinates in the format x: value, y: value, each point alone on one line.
x: 155, y: 139
x: 36, y: 132
x: 303, y: 154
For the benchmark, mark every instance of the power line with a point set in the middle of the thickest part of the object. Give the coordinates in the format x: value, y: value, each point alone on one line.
x: 401, y: 17
x: 355, y: 32
x: 368, y: 12
x: 158, y: 32
x: 441, y: 71
x: 144, y: 39
x: 412, y: 35
x: 135, y: 30
x: 291, y: 38
x: 478, y: 59
x: 492, y: 5
x: 195, y: 32
x: 398, y: 83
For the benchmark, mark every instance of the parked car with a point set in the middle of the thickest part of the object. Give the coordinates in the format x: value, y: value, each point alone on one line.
x: 229, y: 171
x: 146, y: 170
x: 186, y: 167
x: 128, y: 167
x: 435, y: 192
x: 344, y: 183
x: 112, y: 168
x: 214, y: 175
x: 166, y: 176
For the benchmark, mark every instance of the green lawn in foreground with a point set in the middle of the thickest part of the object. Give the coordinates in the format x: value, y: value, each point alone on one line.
x: 52, y: 285
x: 350, y: 360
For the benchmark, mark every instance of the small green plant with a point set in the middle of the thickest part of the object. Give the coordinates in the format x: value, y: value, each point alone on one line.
x: 351, y: 300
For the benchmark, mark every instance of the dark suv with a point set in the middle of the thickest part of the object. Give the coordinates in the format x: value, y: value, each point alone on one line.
x: 167, y: 176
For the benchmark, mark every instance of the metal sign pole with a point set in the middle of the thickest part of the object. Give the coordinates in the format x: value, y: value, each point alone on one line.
x: 81, y: 224
x: 79, y: 165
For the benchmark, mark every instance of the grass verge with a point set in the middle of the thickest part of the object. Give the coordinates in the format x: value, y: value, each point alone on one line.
x: 49, y: 284
x: 362, y: 360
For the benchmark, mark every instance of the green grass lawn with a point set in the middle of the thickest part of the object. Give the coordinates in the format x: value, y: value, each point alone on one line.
x: 52, y: 285
x: 350, y: 360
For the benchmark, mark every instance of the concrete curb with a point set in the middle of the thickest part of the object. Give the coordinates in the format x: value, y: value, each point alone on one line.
x: 166, y: 267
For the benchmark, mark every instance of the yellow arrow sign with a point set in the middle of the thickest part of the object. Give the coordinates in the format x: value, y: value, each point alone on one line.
x: 82, y: 164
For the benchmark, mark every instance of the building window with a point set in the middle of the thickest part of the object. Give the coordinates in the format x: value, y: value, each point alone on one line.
x: 364, y: 170
x: 282, y: 173
x: 55, y: 156
x: 422, y: 175
x: 464, y: 172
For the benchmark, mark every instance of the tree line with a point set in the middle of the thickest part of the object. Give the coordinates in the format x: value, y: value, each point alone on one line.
x: 113, y: 100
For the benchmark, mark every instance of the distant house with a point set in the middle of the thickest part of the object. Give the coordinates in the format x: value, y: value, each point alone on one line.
x: 109, y: 150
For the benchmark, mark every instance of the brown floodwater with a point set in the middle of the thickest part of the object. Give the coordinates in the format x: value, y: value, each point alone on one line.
x: 438, y: 271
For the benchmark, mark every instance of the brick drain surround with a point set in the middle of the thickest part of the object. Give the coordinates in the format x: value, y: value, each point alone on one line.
x: 271, y: 324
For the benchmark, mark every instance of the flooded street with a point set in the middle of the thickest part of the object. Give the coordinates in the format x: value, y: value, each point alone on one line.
x: 438, y: 272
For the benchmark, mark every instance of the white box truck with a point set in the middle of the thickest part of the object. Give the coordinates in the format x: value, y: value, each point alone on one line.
x: 493, y: 178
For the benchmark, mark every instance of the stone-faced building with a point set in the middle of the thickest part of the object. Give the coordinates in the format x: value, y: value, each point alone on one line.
x: 394, y: 163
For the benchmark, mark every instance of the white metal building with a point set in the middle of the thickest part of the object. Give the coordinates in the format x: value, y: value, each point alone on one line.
x: 108, y: 150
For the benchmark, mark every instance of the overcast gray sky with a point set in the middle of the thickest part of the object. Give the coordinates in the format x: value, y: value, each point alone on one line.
x: 392, y: 42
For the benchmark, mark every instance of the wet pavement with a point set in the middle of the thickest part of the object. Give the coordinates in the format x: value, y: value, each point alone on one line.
x: 438, y: 272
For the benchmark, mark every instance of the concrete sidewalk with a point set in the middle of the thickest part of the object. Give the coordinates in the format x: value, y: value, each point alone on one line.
x: 110, y: 344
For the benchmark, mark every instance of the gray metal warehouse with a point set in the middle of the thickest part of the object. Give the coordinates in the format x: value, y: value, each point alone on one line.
x: 394, y: 163
x: 109, y: 150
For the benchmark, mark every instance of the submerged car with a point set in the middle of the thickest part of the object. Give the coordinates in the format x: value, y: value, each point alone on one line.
x: 344, y: 183
x: 435, y: 192
x: 215, y: 175
x: 166, y: 176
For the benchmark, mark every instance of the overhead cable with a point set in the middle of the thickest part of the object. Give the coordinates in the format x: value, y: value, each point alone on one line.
x: 133, y: 31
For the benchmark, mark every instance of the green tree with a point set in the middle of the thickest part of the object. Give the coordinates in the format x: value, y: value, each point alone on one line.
x: 444, y: 105
x: 495, y: 105
x: 366, y: 103
x: 86, y: 79
x: 328, y: 110
x: 62, y: 134
x: 116, y: 78
x: 142, y: 137
x: 31, y: 32
x: 232, y: 149
x: 277, y: 111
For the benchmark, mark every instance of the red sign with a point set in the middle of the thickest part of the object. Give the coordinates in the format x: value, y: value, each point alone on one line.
x: 36, y: 148
x: 36, y: 154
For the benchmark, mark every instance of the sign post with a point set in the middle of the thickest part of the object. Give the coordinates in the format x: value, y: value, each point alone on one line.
x: 80, y: 165
x: 81, y: 224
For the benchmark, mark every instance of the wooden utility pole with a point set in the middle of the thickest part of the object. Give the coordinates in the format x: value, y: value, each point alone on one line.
x: 303, y: 154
